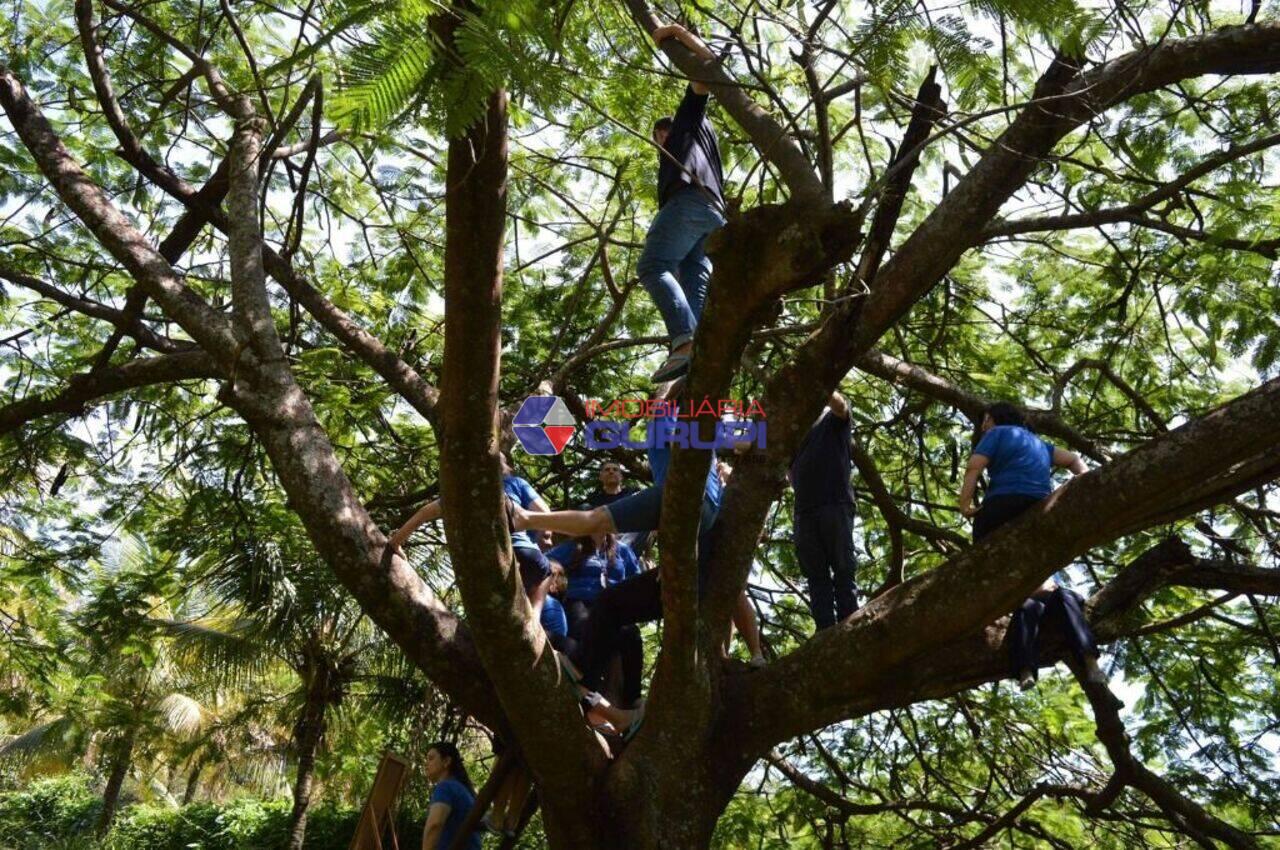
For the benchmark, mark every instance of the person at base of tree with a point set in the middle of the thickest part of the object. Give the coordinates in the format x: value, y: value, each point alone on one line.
x: 452, y: 797
x: 1020, y: 466
x: 593, y: 564
x: 535, y: 569
x: 673, y: 267
x: 822, y: 526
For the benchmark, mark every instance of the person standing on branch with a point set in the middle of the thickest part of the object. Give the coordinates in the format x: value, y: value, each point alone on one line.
x: 823, y: 522
x: 673, y: 266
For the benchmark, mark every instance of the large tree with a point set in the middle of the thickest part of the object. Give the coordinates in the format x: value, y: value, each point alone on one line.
x: 1043, y: 210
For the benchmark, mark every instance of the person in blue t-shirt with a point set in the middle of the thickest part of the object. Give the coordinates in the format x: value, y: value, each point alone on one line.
x: 638, y: 599
x: 1020, y: 466
x: 451, y: 799
x: 593, y: 564
x: 534, y: 567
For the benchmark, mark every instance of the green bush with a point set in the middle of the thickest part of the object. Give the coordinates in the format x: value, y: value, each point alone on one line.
x: 50, y: 813
x: 60, y: 814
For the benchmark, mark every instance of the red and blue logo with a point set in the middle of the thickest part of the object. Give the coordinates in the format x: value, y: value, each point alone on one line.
x: 543, y: 425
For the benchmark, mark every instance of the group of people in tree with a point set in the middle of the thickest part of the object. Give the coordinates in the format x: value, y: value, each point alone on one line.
x: 591, y: 591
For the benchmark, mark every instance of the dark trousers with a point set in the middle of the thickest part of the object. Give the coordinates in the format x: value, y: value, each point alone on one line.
x: 1061, y: 609
x: 997, y: 510
x: 626, y: 640
x: 824, y: 546
x: 575, y: 611
x: 636, y: 600
x: 534, y: 566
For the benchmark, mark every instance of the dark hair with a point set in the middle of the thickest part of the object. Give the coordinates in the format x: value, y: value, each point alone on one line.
x: 457, y: 770
x: 663, y: 123
x: 585, y: 547
x: 1006, y: 413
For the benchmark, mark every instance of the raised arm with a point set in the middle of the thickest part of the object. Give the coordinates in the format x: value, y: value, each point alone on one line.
x: 430, y: 512
x: 689, y: 40
x: 1069, y: 460
x: 839, y: 406
x: 977, y: 463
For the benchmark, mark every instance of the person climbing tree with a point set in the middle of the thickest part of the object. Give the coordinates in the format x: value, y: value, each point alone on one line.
x: 611, y: 490
x: 744, y: 613
x: 824, y: 514
x: 673, y: 266
x: 451, y: 798
x: 1020, y: 465
x: 535, y: 570
x: 591, y: 564
x: 638, y: 599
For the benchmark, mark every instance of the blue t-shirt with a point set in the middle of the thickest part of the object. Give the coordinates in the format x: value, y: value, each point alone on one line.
x: 1019, y: 462
x: 524, y: 495
x: 459, y: 799
x: 553, y: 618
x: 660, y: 460
x: 591, y: 574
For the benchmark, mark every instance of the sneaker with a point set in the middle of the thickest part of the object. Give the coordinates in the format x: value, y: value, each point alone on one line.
x: 1093, y: 673
x: 1027, y: 680
x: 756, y: 662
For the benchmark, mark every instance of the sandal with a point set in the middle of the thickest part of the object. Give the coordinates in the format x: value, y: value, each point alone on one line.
x: 673, y: 367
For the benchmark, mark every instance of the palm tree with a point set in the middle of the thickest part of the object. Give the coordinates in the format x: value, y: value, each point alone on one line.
x: 117, y: 684
x: 273, y: 603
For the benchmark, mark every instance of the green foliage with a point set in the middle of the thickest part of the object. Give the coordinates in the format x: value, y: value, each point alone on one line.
x: 228, y: 608
x: 48, y: 813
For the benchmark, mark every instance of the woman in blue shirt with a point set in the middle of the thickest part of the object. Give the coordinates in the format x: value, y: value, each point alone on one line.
x: 592, y: 564
x: 451, y: 799
x: 1020, y: 466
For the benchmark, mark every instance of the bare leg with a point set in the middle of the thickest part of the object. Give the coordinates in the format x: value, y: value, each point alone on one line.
x: 572, y: 523
x: 744, y: 617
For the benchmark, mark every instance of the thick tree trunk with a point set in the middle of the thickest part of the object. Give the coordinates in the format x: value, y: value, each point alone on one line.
x: 306, y: 736
x: 121, y: 760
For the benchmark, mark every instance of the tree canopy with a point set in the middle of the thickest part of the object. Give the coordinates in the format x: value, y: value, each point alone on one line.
x: 273, y: 276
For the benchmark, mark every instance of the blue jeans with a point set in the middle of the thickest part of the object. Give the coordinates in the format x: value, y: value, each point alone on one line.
x: 673, y: 266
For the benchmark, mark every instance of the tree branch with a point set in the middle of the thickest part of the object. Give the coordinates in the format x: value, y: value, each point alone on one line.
x: 769, y: 136
x: 85, y: 388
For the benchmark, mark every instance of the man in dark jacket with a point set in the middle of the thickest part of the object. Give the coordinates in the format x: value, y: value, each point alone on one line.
x: 673, y: 266
x: 824, y: 515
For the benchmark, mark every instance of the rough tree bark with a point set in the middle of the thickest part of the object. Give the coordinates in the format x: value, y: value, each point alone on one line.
x: 317, y: 674
x: 121, y: 759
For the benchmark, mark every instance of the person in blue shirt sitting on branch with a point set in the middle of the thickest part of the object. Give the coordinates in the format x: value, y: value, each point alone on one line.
x: 1020, y: 466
